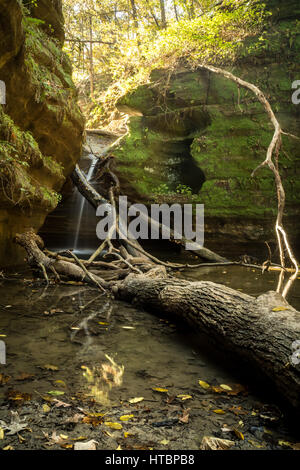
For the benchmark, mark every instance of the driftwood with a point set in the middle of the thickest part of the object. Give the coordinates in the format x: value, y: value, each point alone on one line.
x: 253, y: 329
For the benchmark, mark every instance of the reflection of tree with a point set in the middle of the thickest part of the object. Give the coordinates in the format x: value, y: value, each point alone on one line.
x: 84, y: 324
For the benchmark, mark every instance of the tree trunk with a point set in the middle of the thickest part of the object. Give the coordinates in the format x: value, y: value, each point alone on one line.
x: 244, y: 325
x: 163, y: 14
x: 91, y: 56
x: 134, y: 14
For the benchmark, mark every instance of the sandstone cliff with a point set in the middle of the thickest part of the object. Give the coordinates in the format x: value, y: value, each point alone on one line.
x: 196, y: 142
x: 41, y: 125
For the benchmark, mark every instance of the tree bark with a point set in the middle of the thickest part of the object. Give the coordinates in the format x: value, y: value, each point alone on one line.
x: 91, y: 58
x: 244, y: 325
x: 163, y: 14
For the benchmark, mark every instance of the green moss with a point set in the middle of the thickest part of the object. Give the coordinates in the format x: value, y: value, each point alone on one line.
x: 19, y: 156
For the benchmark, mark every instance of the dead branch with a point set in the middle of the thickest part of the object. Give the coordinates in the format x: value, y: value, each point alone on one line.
x: 34, y: 245
x: 273, y: 148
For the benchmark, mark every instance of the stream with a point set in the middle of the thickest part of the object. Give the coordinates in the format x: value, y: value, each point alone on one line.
x: 73, y: 355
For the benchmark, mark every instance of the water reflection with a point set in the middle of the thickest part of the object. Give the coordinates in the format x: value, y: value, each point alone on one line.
x: 102, y: 379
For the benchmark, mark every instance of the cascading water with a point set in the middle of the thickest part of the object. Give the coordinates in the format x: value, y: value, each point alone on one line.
x: 72, y: 225
x: 82, y: 201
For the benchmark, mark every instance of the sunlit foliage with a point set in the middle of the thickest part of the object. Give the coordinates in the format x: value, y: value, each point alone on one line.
x: 115, y: 44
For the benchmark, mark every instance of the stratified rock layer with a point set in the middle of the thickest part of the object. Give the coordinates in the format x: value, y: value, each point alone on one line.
x: 41, y: 125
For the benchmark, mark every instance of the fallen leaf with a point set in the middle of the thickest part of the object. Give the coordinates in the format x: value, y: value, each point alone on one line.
x: 226, y: 428
x: 1, y: 433
x: 14, y: 395
x: 184, y: 397
x: 217, y: 389
x: 127, y: 434
x: 279, y: 309
x: 60, y: 382
x: 56, y: 393
x: 49, y: 367
x: 54, y: 439
x: 94, y: 421
x: 285, y: 444
x: 136, y: 400
x: 24, y: 376
x: 255, y: 444
x: 237, y: 410
x: 267, y: 431
x: 226, y: 387
x: 8, y: 448
x: 219, y: 412
x: 204, y: 385
x: 215, y: 443
x: 164, y: 442
x: 185, y: 416
x: 234, y: 390
x: 46, y: 408
x: 126, y: 417
x: 75, y: 419
x: 16, y: 424
x: 67, y: 446
x: 56, y: 310
x: 4, y: 379
x: 59, y: 403
x: 238, y: 434
x: 113, y: 425
x: 161, y: 390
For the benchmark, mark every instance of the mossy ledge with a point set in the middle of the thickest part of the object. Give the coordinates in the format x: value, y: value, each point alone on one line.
x: 41, y: 126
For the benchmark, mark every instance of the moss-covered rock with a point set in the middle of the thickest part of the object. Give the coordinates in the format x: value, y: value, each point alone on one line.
x: 41, y: 125
x: 223, y: 132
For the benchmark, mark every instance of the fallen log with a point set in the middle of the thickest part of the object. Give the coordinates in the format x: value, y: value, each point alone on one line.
x: 260, y: 330
x: 34, y: 245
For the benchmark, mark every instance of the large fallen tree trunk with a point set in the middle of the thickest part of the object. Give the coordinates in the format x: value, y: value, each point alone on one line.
x: 256, y: 330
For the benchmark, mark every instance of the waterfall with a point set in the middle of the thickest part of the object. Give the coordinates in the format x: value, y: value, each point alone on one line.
x: 82, y: 201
